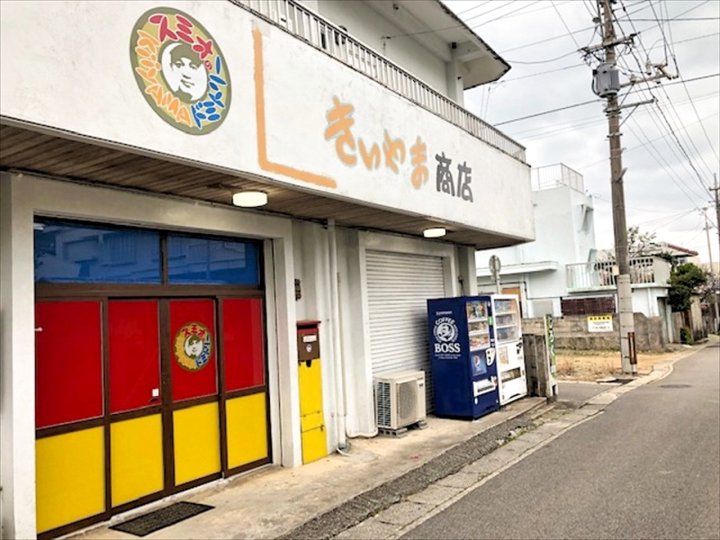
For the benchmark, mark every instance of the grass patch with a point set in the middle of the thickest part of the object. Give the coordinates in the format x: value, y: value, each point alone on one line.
x: 594, y: 365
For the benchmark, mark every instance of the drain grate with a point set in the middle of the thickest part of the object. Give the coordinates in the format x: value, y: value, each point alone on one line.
x: 159, y: 519
x: 675, y: 386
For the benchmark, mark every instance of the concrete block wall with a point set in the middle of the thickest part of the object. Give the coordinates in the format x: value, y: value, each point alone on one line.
x: 571, y: 332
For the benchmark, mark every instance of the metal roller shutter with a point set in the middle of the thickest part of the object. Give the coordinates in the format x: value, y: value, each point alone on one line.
x: 398, y: 286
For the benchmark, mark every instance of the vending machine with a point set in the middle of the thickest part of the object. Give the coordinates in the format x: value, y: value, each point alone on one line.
x: 462, y: 350
x: 507, y: 333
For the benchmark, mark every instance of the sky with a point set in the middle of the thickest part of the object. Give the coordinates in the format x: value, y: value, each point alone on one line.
x: 671, y: 147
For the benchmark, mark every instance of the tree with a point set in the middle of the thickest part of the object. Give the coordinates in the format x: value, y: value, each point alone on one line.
x: 686, y: 279
x: 639, y: 245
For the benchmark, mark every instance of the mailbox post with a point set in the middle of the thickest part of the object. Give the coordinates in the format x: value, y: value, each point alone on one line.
x: 312, y: 426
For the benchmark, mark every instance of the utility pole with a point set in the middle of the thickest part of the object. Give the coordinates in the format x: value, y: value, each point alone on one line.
x: 624, y: 291
x: 716, y: 292
x: 712, y: 268
x: 716, y: 189
x: 606, y: 84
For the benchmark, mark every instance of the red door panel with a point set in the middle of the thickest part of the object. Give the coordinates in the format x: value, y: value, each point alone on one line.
x: 193, y: 343
x: 134, y: 354
x: 243, y: 343
x: 68, y: 362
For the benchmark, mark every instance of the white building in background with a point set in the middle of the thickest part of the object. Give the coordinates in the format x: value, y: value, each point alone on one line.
x: 565, y: 235
x: 142, y: 312
x: 558, y: 273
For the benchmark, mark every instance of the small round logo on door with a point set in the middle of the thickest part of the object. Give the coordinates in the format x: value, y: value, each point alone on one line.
x: 193, y: 346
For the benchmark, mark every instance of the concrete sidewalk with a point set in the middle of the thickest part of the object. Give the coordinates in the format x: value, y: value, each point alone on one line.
x: 326, y: 497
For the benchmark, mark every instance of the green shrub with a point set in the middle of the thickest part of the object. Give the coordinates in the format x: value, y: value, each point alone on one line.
x: 686, y: 335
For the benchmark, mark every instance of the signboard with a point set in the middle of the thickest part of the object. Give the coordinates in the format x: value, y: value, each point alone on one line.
x: 340, y: 134
x: 600, y: 323
x: 550, y: 343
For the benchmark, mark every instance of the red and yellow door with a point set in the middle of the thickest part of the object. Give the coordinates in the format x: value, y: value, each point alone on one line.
x: 140, y: 398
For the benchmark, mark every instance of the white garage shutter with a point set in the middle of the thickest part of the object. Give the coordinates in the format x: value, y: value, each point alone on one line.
x: 398, y: 287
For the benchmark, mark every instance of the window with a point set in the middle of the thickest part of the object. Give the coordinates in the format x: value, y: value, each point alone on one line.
x: 81, y: 253
x: 197, y: 260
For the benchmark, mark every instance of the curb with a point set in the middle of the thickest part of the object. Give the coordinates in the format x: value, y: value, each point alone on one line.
x: 659, y: 372
x: 375, y: 500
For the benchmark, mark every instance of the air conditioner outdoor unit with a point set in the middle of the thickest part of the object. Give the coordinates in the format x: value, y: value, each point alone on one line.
x: 400, y: 399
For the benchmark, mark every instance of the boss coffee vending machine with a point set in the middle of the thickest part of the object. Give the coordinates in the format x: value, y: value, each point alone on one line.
x: 463, y: 357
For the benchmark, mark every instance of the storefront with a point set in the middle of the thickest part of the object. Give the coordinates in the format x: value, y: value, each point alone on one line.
x: 149, y: 332
x: 150, y: 366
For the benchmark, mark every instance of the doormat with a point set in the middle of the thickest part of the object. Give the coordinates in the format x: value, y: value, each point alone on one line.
x: 159, y: 519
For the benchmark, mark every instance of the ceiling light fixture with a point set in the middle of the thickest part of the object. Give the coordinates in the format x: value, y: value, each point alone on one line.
x: 250, y: 199
x: 434, y: 232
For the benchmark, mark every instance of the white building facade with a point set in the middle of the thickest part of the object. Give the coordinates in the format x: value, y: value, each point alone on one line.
x: 565, y: 234
x: 561, y: 264
x: 149, y: 330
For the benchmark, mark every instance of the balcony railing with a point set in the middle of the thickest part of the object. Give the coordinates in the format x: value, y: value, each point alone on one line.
x: 599, y: 274
x: 336, y: 42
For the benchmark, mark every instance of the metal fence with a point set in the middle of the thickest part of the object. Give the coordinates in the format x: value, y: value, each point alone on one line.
x: 336, y: 42
x: 599, y: 274
x: 559, y: 174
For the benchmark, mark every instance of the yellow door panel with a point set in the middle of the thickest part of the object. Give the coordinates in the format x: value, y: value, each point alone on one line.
x: 310, y: 381
x: 246, y: 423
x: 136, y: 458
x: 196, y: 435
x: 70, y: 472
x: 314, y: 445
x: 311, y: 421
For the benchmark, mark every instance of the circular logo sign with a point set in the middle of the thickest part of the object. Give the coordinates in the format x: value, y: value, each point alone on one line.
x: 193, y: 346
x: 180, y: 70
x: 445, y: 330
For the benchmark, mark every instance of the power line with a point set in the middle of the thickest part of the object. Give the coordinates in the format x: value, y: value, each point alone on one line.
x: 660, y: 160
x: 672, y: 106
x: 505, y: 15
x: 432, y: 30
x: 472, y: 8
x: 687, y: 92
x: 593, y: 101
x: 562, y: 20
x: 660, y: 110
x: 573, y: 66
x: 682, y: 19
x: 580, y: 124
x: 542, y: 61
x: 592, y: 164
x: 506, y: 4
x: 566, y: 107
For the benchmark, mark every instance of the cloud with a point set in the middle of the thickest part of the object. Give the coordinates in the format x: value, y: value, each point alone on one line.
x: 660, y: 182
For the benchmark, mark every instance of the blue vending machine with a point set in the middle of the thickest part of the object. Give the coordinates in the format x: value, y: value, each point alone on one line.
x: 462, y: 349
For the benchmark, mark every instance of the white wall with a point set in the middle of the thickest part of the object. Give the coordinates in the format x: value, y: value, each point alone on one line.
x: 369, y: 27
x: 17, y: 369
x: 275, y: 125
x: 565, y: 234
x: 645, y: 300
x: 564, y: 230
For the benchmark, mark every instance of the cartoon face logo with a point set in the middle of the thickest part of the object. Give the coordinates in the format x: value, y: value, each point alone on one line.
x: 193, y: 346
x: 180, y: 70
x: 445, y: 330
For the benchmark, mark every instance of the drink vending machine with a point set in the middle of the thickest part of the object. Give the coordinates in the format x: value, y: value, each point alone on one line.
x: 462, y: 350
x: 507, y: 331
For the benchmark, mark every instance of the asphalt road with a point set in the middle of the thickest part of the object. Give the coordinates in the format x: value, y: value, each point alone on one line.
x: 574, y: 394
x: 648, y: 467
